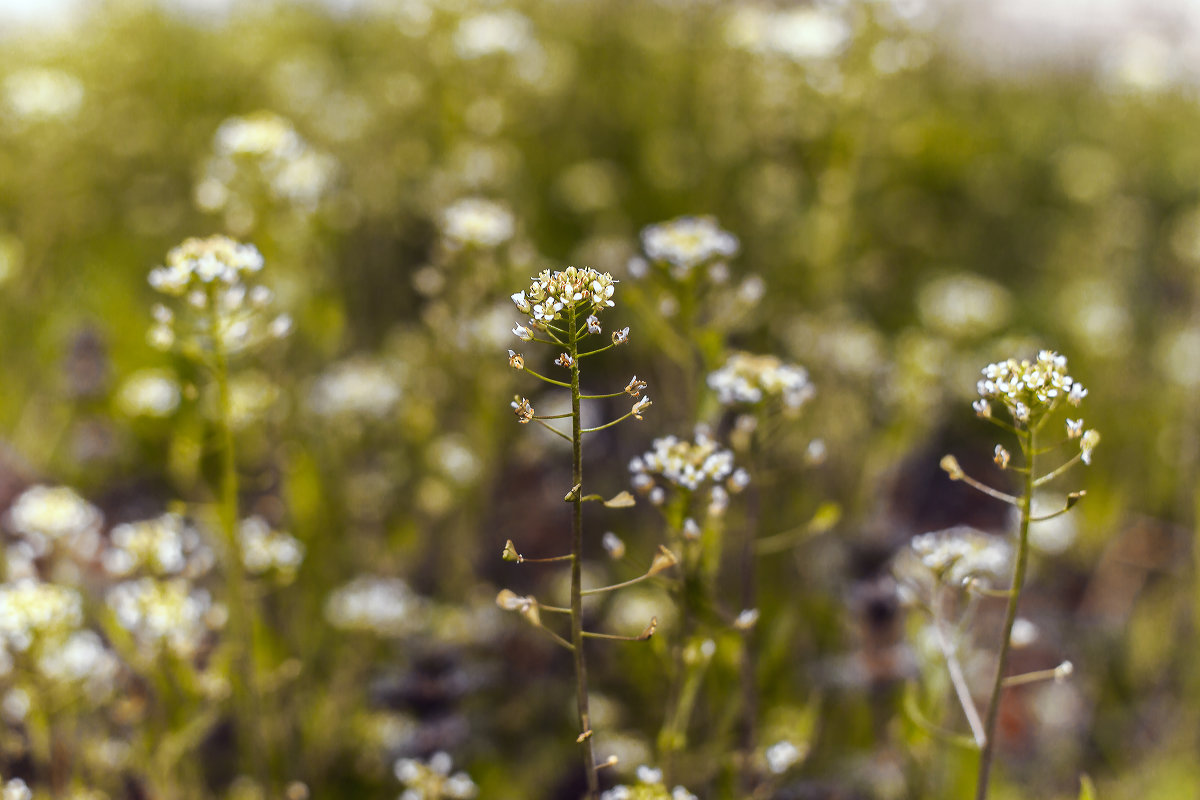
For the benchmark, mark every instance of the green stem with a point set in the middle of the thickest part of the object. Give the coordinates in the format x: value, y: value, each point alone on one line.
x: 245, y: 686
x: 1010, y: 617
x: 581, y: 690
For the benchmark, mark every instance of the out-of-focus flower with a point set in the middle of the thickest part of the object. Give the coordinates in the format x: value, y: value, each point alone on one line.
x: 684, y: 464
x: 38, y: 94
x: 746, y: 378
x: 782, y: 755
x: 264, y: 549
x: 800, y: 34
x: 957, y: 555
x: 383, y: 606
x: 649, y: 786
x: 43, y: 515
x: 167, y: 614
x: 494, y: 32
x: 964, y: 305
x: 474, y: 222
x: 688, y: 242
x: 149, y: 393
x: 81, y: 659
x: 433, y: 779
x: 219, y: 309
x: 162, y: 546
x: 358, y: 387
x: 262, y: 151
x: 31, y: 610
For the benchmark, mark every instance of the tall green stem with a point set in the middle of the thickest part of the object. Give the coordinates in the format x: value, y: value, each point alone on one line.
x: 581, y: 690
x: 993, y: 711
x: 245, y: 687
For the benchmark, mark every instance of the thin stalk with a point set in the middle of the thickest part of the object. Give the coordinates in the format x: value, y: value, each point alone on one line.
x: 607, y: 424
x: 957, y: 679
x: 1010, y: 617
x: 581, y: 689
x: 748, y: 668
x: 540, y: 376
x: 244, y: 683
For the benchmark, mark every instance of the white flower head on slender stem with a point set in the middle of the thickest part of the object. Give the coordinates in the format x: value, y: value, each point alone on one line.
x: 1030, y: 389
x: 685, y: 243
x: 552, y: 294
x: 219, y: 310
x: 1074, y: 428
x: 593, y: 325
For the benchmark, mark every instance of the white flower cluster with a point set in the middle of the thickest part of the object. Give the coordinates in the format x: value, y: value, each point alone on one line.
x: 552, y: 293
x: 38, y: 94
x: 263, y: 150
x: 688, y: 242
x: 475, y: 222
x: 82, y: 660
x: 383, y: 606
x: 649, y: 787
x: 162, y: 613
x: 210, y: 273
x: 166, y: 545
x: 31, y: 610
x: 149, y: 393
x: 202, y: 262
x: 1028, y: 389
x: 264, y: 549
x: 747, y: 378
x: 357, y: 387
x: 959, y: 554
x: 687, y: 465
x: 45, y: 515
x: 432, y: 779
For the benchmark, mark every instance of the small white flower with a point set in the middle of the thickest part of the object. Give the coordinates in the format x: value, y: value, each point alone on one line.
x: 640, y: 406
x: 1076, y: 395
x: 1074, y: 428
x: 982, y: 408
x: 691, y: 530
x: 621, y: 336
x: 522, y: 333
x: 593, y: 324
x: 521, y: 302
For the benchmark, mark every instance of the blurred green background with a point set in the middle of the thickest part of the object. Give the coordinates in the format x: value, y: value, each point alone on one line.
x: 905, y: 217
